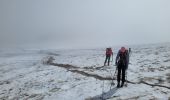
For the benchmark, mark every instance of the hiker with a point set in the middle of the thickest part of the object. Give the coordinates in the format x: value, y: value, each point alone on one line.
x: 122, y: 60
x: 109, y: 53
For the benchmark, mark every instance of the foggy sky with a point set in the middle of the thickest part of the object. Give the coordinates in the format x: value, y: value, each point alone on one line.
x: 84, y: 22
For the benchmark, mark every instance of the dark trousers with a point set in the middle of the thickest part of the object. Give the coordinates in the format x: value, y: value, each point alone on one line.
x: 107, y: 60
x: 121, y: 72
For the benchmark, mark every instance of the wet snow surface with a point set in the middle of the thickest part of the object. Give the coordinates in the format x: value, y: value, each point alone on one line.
x: 25, y: 77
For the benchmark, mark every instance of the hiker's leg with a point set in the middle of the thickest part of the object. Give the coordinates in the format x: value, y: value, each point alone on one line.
x: 118, y: 76
x: 105, y: 60
x: 123, y: 76
x: 108, y: 59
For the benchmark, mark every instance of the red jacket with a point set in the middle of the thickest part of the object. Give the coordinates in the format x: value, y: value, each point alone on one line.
x: 109, y: 51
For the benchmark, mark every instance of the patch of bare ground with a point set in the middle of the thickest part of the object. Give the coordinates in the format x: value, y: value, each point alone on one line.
x: 168, y: 60
x: 149, y: 68
x: 67, y: 66
x: 168, y: 77
x: 158, y: 80
x: 134, y: 98
x: 74, y: 69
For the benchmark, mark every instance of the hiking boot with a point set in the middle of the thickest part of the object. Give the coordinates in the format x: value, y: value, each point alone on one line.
x: 122, y: 85
x: 118, y: 85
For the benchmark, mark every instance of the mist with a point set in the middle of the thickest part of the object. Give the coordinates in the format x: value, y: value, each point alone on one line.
x: 83, y: 23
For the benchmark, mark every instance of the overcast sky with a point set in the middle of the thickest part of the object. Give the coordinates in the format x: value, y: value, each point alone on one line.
x: 84, y: 22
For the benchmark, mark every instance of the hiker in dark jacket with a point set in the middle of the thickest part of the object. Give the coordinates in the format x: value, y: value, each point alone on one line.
x: 109, y: 53
x: 122, y: 60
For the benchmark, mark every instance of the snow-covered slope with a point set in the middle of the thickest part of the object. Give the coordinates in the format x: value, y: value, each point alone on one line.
x: 78, y: 75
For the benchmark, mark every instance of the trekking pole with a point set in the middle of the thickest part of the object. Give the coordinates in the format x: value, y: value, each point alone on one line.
x: 103, y: 91
x: 112, y: 59
x: 126, y: 78
x: 113, y: 78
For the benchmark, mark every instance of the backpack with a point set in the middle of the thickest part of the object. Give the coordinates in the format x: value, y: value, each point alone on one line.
x: 108, y: 51
x: 122, y: 57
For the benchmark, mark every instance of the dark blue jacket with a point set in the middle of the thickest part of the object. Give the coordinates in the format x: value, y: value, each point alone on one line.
x: 126, y: 59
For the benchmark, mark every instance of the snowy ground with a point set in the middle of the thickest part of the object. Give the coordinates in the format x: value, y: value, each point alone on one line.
x: 24, y: 77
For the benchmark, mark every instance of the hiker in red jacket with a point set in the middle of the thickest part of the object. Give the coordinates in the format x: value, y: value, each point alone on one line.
x: 109, y: 53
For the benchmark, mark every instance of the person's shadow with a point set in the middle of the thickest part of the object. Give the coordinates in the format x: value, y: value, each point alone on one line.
x: 105, y: 95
